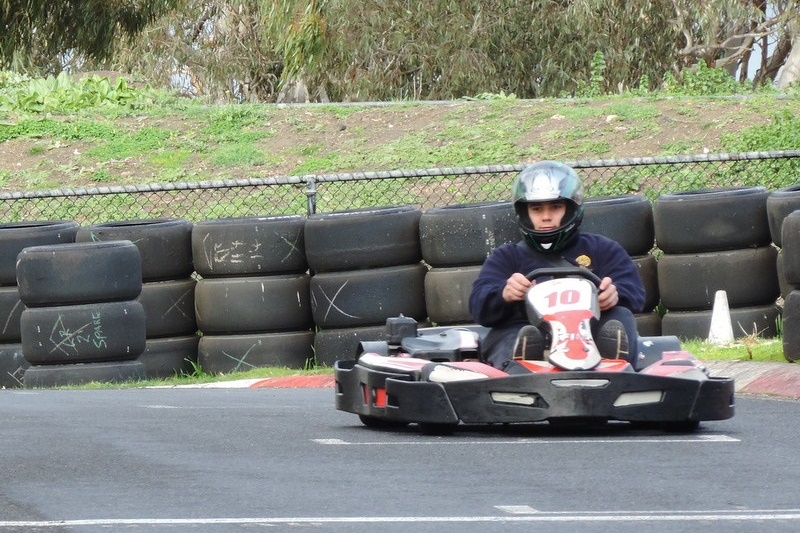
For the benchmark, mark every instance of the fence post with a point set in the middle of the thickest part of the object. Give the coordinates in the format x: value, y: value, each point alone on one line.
x: 311, y: 196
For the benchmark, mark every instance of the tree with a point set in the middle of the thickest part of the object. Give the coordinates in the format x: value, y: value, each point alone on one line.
x: 725, y: 33
x: 252, y: 50
x: 40, y: 34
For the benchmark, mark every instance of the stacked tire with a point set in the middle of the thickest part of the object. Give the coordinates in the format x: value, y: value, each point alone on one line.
x: 82, y: 322
x: 252, y: 300
x: 366, y: 268
x: 780, y: 204
x: 167, y: 289
x: 628, y: 219
x: 14, y: 237
x: 716, y: 239
x: 455, y: 240
x: 790, y: 254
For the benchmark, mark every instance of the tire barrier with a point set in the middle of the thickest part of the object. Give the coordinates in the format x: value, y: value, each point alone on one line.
x: 249, y: 246
x: 709, y: 220
x: 648, y: 322
x: 79, y: 273
x: 447, y: 293
x: 167, y: 288
x: 15, y: 237
x: 716, y: 239
x: 790, y: 253
x: 263, y: 283
x: 12, y: 366
x: 252, y: 303
x: 18, y: 235
x: 219, y: 354
x: 455, y: 240
x: 789, y: 274
x: 363, y: 238
x: 164, y: 244
x: 366, y: 268
x: 791, y: 326
x: 627, y: 219
x: 780, y: 204
x: 170, y: 356
x: 333, y: 344
x: 90, y: 320
x: 759, y: 320
x: 465, y: 234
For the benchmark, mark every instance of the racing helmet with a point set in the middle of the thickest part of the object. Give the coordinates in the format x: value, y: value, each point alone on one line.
x: 542, y: 182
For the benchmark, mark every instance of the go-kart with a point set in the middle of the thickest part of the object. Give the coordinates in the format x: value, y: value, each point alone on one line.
x: 435, y: 377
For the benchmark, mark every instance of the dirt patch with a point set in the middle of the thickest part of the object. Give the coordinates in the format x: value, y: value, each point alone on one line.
x: 445, y: 135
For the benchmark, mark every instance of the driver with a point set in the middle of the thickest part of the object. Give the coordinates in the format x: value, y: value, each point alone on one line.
x: 548, y: 201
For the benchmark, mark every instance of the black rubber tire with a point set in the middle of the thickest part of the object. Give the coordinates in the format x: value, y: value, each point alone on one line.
x: 79, y: 273
x: 466, y: 234
x: 253, y: 304
x: 647, y: 267
x: 381, y: 424
x: 368, y: 297
x: 447, y: 293
x: 780, y: 204
x: 648, y: 324
x: 39, y: 377
x: 12, y: 366
x: 363, y: 238
x: 249, y: 246
x: 169, y: 307
x: 437, y: 430
x: 785, y: 286
x: 165, y: 244
x: 170, y: 356
x: 331, y: 345
x: 791, y: 326
x: 688, y: 325
x: 11, y: 308
x: 791, y: 248
x: 627, y: 219
x: 15, y: 236
x: 222, y: 354
x: 708, y: 220
x: 690, y: 281
x: 105, y: 331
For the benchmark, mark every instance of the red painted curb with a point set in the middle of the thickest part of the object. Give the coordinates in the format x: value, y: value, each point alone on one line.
x: 294, y: 382
x: 775, y: 383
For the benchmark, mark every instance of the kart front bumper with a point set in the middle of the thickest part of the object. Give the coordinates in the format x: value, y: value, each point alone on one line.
x: 583, y: 395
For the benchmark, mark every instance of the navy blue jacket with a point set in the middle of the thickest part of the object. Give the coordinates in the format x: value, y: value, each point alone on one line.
x: 605, y: 257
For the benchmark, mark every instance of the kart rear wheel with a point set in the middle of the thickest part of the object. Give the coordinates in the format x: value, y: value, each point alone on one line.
x: 374, y: 422
x: 675, y: 426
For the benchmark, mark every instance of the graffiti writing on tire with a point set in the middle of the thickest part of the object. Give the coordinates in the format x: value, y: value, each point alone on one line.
x: 70, y: 341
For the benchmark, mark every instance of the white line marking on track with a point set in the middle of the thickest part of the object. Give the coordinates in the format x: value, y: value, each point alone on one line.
x: 517, y: 509
x: 543, y: 440
x: 566, y: 517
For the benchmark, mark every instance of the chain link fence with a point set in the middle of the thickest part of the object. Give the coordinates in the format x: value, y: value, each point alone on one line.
x: 649, y: 176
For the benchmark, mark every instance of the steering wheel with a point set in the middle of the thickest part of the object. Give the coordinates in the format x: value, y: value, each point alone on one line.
x: 564, y: 272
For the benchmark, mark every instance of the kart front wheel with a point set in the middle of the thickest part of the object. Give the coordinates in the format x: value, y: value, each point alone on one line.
x: 436, y: 429
x: 374, y: 422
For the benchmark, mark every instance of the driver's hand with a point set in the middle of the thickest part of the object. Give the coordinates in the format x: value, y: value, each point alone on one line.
x: 607, y: 297
x: 516, y: 287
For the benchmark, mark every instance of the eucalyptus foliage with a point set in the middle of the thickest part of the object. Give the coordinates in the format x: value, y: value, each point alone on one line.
x: 38, y: 33
x: 357, y: 50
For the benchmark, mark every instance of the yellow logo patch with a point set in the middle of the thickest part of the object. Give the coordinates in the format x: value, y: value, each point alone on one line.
x: 583, y: 260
